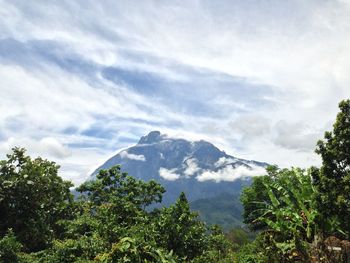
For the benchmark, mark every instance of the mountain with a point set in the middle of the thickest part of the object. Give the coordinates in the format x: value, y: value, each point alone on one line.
x: 197, y: 168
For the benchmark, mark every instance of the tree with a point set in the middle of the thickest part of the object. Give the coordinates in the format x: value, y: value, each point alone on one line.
x: 288, y: 213
x: 134, y: 234
x: 181, y: 231
x: 119, y: 199
x: 238, y: 236
x: 255, y: 197
x: 333, y: 179
x: 33, y: 198
x: 9, y: 248
x: 110, y: 223
x: 118, y: 216
x: 112, y: 186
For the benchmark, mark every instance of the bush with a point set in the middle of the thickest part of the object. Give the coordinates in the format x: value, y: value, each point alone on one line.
x: 9, y: 248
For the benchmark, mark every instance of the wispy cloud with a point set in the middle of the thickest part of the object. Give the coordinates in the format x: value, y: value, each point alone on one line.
x: 169, y: 174
x: 230, y: 174
x: 125, y: 154
x: 191, y: 167
x: 85, y: 78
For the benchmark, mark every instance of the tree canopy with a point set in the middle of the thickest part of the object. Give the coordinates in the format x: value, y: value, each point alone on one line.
x: 333, y: 179
x: 110, y: 222
x: 33, y: 198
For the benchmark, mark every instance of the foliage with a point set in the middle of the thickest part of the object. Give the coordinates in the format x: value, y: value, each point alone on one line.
x: 288, y: 213
x: 224, y: 210
x: 257, y: 252
x: 73, y: 250
x: 131, y: 250
x: 32, y: 199
x: 252, y: 199
x: 181, y: 231
x: 9, y: 248
x: 111, y: 224
x: 215, y: 256
x: 112, y: 186
x: 219, y: 248
x: 333, y: 179
x: 238, y: 237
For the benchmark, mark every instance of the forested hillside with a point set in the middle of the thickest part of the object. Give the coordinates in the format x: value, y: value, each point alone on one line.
x: 224, y: 210
x: 297, y: 215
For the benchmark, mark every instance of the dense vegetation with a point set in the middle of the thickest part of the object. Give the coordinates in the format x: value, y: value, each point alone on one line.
x: 304, y: 215
x: 224, y: 210
x: 40, y: 221
x: 297, y: 215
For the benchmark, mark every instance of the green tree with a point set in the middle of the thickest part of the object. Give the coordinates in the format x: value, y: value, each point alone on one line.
x: 181, y: 230
x: 112, y: 186
x: 119, y: 200
x: 9, y: 248
x: 288, y: 214
x: 219, y: 248
x: 111, y: 222
x: 255, y: 197
x: 132, y: 250
x: 33, y: 198
x: 118, y: 215
x: 333, y: 179
x: 238, y: 237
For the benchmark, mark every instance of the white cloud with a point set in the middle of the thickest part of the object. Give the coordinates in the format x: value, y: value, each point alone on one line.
x: 76, y: 164
x: 230, y: 173
x: 54, y: 148
x: 250, y: 126
x: 298, y: 49
x: 191, y: 167
x: 125, y: 154
x: 54, y: 104
x: 168, y: 174
x: 296, y: 136
x: 223, y: 161
x: 46, y: 147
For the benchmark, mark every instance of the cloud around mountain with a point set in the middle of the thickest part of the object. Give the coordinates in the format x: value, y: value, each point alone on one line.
x: 168, y: 158
x: 196, y: 167
x: 125, y: 154
x: 230, y: 173
x: 168, y: 174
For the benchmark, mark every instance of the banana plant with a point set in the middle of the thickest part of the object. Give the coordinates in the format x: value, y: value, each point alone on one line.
x: 289, y: 212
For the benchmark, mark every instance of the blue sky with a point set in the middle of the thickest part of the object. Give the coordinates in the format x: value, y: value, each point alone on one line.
x: 260, y: 79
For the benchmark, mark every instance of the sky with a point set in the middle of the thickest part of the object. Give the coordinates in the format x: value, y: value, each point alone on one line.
x: 80, y: 80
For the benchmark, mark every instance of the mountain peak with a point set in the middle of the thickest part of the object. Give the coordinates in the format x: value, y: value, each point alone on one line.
x: 152, y: 137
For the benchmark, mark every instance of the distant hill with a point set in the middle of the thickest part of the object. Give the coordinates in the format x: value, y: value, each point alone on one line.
x: 224, y: 209
x: 197, y: 168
